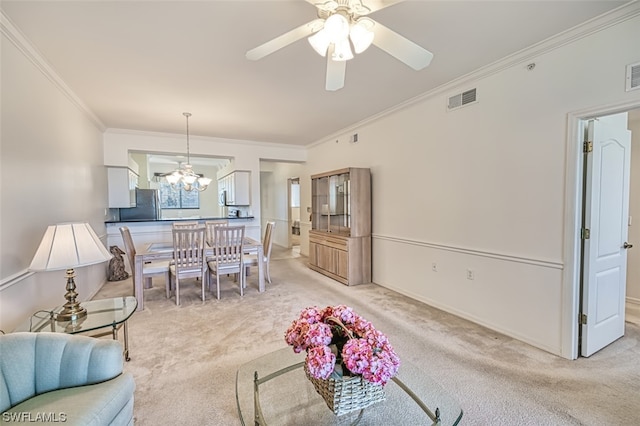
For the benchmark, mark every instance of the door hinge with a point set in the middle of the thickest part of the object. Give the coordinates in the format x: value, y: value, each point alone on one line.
x: 585, y: 233
x: 588, y: 146
x: 582, y: 320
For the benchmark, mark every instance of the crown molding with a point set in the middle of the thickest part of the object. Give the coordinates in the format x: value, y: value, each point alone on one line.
x: 13, y: 34
x: 599, y: 23
x: 118, y: 131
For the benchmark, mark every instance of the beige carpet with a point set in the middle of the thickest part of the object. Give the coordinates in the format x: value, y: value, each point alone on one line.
x: 184, y: 359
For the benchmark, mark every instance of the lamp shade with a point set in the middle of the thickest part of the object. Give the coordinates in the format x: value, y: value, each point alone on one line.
x: 68, y: 246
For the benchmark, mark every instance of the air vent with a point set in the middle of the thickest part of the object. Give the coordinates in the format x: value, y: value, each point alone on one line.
x: 462, y: 99
x: 633, y: 76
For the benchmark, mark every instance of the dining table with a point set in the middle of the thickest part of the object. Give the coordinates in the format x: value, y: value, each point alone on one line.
x: 163, y: 250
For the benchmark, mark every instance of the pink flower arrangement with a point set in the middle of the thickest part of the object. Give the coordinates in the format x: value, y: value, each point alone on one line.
x: 340, y: 342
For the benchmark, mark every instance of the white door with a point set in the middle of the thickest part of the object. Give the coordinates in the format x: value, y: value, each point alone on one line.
x: 606, y: 218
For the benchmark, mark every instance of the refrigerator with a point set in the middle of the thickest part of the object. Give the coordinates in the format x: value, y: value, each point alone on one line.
x: 147, y: 206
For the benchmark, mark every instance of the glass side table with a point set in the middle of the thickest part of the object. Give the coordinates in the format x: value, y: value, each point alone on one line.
x: 273, y: 390
x: 102, y: 313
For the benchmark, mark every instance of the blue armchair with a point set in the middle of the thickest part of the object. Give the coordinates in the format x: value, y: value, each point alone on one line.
x: 61, y: 378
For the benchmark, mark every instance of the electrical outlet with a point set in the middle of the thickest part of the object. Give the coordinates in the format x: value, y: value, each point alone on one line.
x: 434, y: 267
x: 470, y: 274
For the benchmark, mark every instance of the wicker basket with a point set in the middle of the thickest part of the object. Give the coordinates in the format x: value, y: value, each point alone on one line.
x: 347, y: 394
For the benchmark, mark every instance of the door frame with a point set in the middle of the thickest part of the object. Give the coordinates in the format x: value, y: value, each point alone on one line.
x: 289, y: 236
x: 573, y: 220
x: 290, y: 182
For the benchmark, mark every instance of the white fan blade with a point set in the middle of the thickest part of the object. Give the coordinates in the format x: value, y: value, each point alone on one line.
x: 401, y: 48
x: 335, y: 72
x: 285, y: 39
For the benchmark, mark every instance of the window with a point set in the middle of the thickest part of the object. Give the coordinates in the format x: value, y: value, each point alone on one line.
x: 175, y: 197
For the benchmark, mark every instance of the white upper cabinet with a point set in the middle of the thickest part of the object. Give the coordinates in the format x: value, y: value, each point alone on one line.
x: 122, y: 183
x: 237, y: 187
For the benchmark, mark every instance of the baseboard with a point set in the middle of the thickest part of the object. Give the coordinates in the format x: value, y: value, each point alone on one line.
x: 633, y: 300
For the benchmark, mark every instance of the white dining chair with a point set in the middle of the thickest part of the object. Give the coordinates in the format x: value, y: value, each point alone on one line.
x: 267, y: 242
x: 228, y: 253
x: 188, y: 257
x: 181, y: 225
x: 210, y: 226
x: 149, y: 269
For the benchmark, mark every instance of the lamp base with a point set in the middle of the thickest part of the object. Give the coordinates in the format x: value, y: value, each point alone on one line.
x: 71, y: 314
x: 71, y: 311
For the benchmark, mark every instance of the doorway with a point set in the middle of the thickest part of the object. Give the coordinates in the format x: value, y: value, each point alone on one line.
x: 584, y: 280
x: 294, y: 213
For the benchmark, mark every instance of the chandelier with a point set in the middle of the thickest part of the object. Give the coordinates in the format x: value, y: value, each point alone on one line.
x: 184, y: 175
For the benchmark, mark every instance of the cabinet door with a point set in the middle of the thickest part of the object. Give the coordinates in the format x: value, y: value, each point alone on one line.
x: 242, y: 188
x: 313, y: 257
x: 343, y: 264
x: 231, y: 190
x: 122, y: 189
x: 133, y: 184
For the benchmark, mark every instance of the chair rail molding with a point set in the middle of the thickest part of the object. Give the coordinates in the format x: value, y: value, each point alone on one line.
x: 473, y: 252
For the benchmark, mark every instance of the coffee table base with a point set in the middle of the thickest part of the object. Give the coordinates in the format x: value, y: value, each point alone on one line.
x: 259, y: 417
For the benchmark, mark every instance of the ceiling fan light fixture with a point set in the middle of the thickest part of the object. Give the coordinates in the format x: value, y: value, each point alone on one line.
x: 320, y: 42
x: 336, y: 27
x: 361, y: 35
x: 342, y: 51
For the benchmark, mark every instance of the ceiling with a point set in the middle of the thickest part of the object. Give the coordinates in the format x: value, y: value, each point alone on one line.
x: 139, y: 64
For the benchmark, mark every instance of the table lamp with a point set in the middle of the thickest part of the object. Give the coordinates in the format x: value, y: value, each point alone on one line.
x: 68, y: 246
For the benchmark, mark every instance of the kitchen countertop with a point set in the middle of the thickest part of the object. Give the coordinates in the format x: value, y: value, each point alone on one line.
x: 200, y: 219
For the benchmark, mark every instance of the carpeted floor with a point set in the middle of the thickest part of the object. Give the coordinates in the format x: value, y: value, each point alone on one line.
x: 184, y: 359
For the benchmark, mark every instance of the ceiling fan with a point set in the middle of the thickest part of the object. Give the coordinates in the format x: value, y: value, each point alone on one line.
x: 341, y: 25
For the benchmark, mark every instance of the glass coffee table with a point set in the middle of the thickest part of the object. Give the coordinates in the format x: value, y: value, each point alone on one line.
x: 102, y: 313
x: 273, y: 390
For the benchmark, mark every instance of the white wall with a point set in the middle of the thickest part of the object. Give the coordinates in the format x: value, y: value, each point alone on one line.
x: 633, y: 255
x: 482, y: 188
x: 52, y: 171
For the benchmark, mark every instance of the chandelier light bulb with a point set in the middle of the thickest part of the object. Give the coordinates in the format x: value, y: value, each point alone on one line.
x: 173, y: 178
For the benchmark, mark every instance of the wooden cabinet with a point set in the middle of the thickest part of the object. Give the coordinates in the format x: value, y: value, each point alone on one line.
x: 340, y: 236
x: 237, y: 187
x: 122, y: 183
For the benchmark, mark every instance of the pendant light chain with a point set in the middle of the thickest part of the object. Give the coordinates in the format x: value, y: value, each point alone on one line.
x: 185, y: 176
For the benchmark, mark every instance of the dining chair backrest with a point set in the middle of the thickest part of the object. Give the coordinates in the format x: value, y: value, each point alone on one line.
x: 188, y: 248
x: 190, y: 224
x: 129, y: 247
x: 210, y: 226
x: 268, y: 238
x: 229, y: 244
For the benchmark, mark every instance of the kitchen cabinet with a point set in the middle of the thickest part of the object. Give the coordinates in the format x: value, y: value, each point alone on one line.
x: 237, y: 187
x: 340, y: 235
x: 122, y: 182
